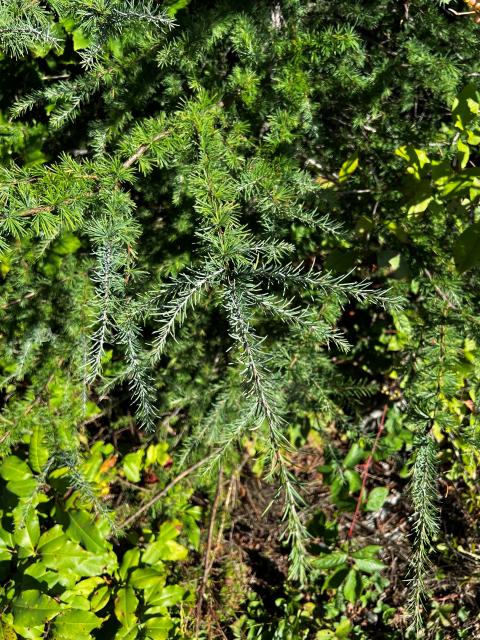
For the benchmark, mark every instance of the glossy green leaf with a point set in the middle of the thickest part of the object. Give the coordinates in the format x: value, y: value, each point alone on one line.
x: 130, y: 560
x: 368, y: 552
x: 157, y: 628
x: 32, y: 609
x: 82, y: 528
x: 354, y: 456
x: 37, y: 452
x: 100, y: 598
x: 29, y: 534
x: 13, y: 468
x: 168, y: 550
x: 148, y: 579
x: 348, y: 167
x: 132, y: 465
x: 75, y: 624
x: 61, y: 554
x: 126, y: 603
x: 166, y: 597
x: 23, y: 488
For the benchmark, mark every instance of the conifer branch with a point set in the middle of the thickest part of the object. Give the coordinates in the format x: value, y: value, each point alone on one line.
x: 183, y: 294
x: 142, y: 149
x: 260, y: 387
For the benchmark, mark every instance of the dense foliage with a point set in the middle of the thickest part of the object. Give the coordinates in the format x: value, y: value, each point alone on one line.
x: 239, y: 348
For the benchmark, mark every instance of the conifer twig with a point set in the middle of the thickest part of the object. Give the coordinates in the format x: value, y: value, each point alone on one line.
x: 143, y: 149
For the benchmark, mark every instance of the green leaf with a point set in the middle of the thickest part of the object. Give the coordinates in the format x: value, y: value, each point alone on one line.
x: 343, y: 629
x: 354, y: 456
x: 130, y: 559
x: 100, y: 598
x: 166, y: 597
x: 466, y: 250
x: 147, y: 578
x: 32, y: 609
x: 127, y: 634
x: 126, y: 604
x: 15, y: 469
x: 335, y: 579
x: 75, y: 624
x: 28, y: 536
x: 330, y: 560
x: 61, y: 554
x: 376, y: 498
x: 352, y: 586
x: 466, y: 106
x: 132, y: 465
x: 158, y: 628
x: 23, y: 488
x: 38, y: 452
x: 369, y: 565
x: 80, y: 41
x: 353, y: 479
x: 463, y: 154
x: 168, y: 550
x: 165, y: 547
x: 82, y: 528
x: 419, y: 206
x: 370, y: 551
x: 7, y: 632
x: 348, y: 167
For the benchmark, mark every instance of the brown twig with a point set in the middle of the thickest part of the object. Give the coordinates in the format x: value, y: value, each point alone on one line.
x: 18, y: 300
x: 39, y: 396
x: 143, y: 149
x: 161, y: 493
x: 207, y: 562
x: 441, y: 293
x: 366, y: 468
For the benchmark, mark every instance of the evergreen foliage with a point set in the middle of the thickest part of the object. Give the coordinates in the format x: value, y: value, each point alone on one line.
x: 195, y: 196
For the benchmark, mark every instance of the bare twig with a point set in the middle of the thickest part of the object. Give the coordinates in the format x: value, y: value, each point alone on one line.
x: 162, y: 493
x: 442, y: 294
x: 143, y: 149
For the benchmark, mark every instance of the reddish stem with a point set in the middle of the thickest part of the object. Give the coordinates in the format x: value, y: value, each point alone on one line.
x: 366, y: 468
